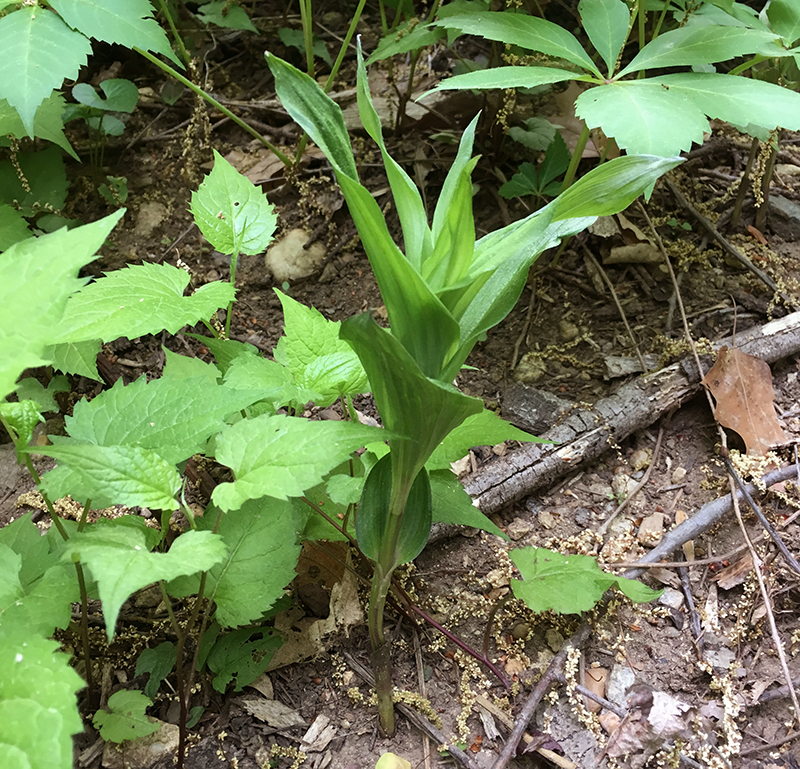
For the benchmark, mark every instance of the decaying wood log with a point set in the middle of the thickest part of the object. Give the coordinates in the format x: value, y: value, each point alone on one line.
x: 583, y: 434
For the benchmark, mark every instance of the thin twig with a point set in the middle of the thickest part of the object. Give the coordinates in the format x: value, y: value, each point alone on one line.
x: 525, y: 326
x: 770, y: 745
x: 697, y: 628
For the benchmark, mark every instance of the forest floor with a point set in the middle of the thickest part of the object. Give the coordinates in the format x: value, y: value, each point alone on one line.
x: 565, y: 338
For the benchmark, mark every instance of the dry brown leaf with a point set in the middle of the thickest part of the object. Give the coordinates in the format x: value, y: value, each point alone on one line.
x: 742, y: 389
x: 736, y: 573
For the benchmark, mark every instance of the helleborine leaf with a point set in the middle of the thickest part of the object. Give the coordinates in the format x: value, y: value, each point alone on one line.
x: 39, y: 52
x: 41, y: 272
x: 317, y: 358
x: 38, y: 705
x: 75, y: 357
x: 122, y: 22
x: 373, y: 522
x: 112, y: 475
x: 505, y: 77
x: 451, y: 504
x: 172, y: 417
x: 140, y: 299
x: 125, y: 719
x: 47, y: 123
x: 482, y: 429
x: 121, y: 95
x: 694, y: 45
x: 567, y: 584
x: 119, y: 561
x: 525, y: 31
x: 606, y: 24
x: 232, y: 213
x: 784, y: 18
x: 281, y: 457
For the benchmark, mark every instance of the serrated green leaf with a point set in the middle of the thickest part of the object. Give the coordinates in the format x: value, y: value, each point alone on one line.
x: 482, y: 429
x: 23, y: 537
x: 172, y: 417
x: 41, y: 272
x: 118, y: 559
x: 506, y: 77
x: 39, y: 52
x: 567, y: 584
x: 112, y: 475
x: 182, y: 367
x: 281, y: 456
x: 374, y: 523
x: 451, y: 504
x: 525, y: 31
x: 159, y: 663
x: 694, y: 45
x: 344, y: 489
x: 45, y: 185
x: 225, y: 351
x: 232, y: 213
x: 537, y: 134
x: 121, y: 95
x: 30, y: 388
x: 784, y: 18
x: 122, y: 22
x: 606, y: 24
x: 38, y: 706
x: 318, y: 359
x: 402, y: 40
x: 242, y: 656
x: 78, y: 358
x: 10, y: 585
x: 526, y: 182
x: 140, y: 299
x: 225, y: 14
x: 272, y: 381
x: 22, y: 416
x: 13, y: 227
x: 126, y: 719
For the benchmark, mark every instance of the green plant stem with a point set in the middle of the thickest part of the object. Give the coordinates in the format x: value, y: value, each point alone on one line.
x: 657, y: 29
x: 54, y: 516
x: 87, y: 654
x: 642, y: 18
x: 745, y: 65
x: 175, y: 34
x: 744, y: 184
x: 572, y: 169
x: 214, y: 103
x: 306, y: 20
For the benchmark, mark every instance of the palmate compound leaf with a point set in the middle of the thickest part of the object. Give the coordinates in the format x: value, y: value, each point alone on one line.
x: 112, y: 475
x: 281, y: 457
x: 260, y: 563
x: 318, y: 359
x: 39, y: 52
x: 139, y: 299
x: 38, y: 705
x: 232, y: 213
x: 41, y: 273
x: 118, y: 559
x: 567, y: 584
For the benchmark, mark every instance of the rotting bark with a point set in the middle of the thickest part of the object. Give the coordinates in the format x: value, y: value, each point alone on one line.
x: 584, y: 434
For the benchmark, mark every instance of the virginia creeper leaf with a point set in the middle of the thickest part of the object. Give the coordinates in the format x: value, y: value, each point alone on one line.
x: 606, y: 24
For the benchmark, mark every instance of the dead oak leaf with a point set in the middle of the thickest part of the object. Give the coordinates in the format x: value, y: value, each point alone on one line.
x: 742, y: 389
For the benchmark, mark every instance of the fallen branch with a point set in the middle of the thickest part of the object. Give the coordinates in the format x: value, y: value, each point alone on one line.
x: 584, y: 434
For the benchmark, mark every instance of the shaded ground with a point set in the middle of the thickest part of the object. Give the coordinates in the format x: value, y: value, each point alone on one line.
x: 563, y: 336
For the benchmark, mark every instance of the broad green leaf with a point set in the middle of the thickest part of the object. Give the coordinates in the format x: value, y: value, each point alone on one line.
x: 75, y: 357
x: 524, y: 182
x: 120, y: 22
x: 537, y: 134
x: 506, y: 77
x: 10, y: 585
x: 405, y: 38
x: 525, y: 31
x: 13, y: 227
x: 482, y: 429
x: 644, y: 117
x: 121, y: 95
x: 172, y: 417
x: 567, y: 584
x: 391, y: 761
x: 159, y: 662
x: 182, y: 367
x: 242, y: 655
x: 226, y: 350
x: 784, y: 18
x: 261, y: 560
x: 419, y: 410
x: 606, y: 24
x: 317, y: 358
x: 23, y: 537
x: 45, y: 185
x: 281, y: 456
x: 30, y: 388
x: 39, y: 52
x: 119, y: 561
x: 38, y: 706
x: 689, y: 46
x: 225, y: 14
x: 140, y: 299
x: 271, y: 381
x: 232, y: 213
x: 22, y: 416
x: 375, y: 523
x: 41, y: 272
x: 112, y: 475
x: 48, y: 122
x: 451, y: 504
x: 125, y: 719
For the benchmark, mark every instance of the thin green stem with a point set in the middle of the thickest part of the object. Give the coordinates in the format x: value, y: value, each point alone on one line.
x: 87, y: 649
x: 307, y: 20
x: 569, y: 177
x: 175, y: 34
x: 657, y: 29
x: 745, y: 65
x: 214, y: 103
